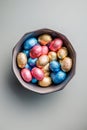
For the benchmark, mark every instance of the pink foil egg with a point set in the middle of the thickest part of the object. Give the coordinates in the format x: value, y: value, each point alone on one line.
x: 36, y: 51
x: 37, y: 73
x: 44, y: 50
x: 26, y: 75
x: 56, y: 44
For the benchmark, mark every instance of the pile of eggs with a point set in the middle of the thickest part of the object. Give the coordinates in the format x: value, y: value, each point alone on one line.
x: 44, y: 61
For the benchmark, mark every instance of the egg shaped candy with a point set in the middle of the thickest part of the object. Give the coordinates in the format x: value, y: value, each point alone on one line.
x: 54, y: 66
x: 26, y: 75
x: 26, y: 52
x: 37, y: 73
x: 52, y: 55
x: 46, y: 82
x: 44, y: 50
x: 32, y: 62
x: 21, y: 60
x: 29, y: 43
x: 42, y: 61
x: 34, y: 80
x: 46, y: 73
x: 36, y: 51
x: 56, y: 44
x: 28, y: 67
x: 58, y: 77
x: 62, y: 52
x: 46, y: 67
x: 44, y: 39
x: 66, y: 64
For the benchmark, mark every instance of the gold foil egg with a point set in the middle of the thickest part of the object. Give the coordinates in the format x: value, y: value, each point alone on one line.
x: 21, y: 60
x: 62, y: 52
x: 46, y: 70
x: 46, y: 74
x: 52, y: 55
x: 42, y: 61
x: 46, y: 67
x: 44, y: 39
x: 66, y: 64
x: 45, y: 82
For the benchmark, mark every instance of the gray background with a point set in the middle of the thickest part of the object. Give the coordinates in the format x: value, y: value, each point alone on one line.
x: 24, y: 110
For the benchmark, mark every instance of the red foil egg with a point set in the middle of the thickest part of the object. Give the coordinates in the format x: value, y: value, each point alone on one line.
x: 44, y: 50
x: 56, y: 44
x: 26, y: 75
x: 36, y: 51
x: 37, y: 73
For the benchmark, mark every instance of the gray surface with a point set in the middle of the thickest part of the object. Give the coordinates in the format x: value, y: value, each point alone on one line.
x: 21, y: 109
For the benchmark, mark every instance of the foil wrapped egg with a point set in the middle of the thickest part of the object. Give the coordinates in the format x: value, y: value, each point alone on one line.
x: 28, y: 67
x: 32, y: 61
x: 29, y: 43
x: 46, y: 67
x: 26, y: 75
x: 34, y: 81
x: 56, y: 44
x: 58, y: 77
x: 36, y: 51
x: 46, y: 82
x: 66, y: 64
x: 52, y: 55
x: 37, y: 73
x: 46, y: 73
x: 21, y: 60
x: 44, y: 39
x: 46, y: 70
x: 26, y: 52
x: 62, y: 52
x: 44, y: 50
x: 42, y: 61
x: 54, y: 66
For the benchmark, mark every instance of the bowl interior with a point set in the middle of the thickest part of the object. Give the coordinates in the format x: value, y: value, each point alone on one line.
x: 35, y: 87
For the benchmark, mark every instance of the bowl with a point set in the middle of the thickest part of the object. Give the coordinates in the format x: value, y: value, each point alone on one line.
x: 34, y: 87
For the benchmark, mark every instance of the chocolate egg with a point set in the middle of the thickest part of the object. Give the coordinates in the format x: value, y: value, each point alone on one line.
x: 38, y: 65
x: 37, y: 73
x: 46, y: 67
x: 66, y: 64
x: 44, y: 50
x: 46, y: 70
x: 54, y: 66
x: 32, y: 61
x: 34, y: 80
x: 26, y: 52
x: 21, y: 60
x: 62, y: 52
x: 58, y: 77
x: 29, y: 43
x: 52, y: 55
x: 44, y: 39
x: 45, y: 82
x: 46, y: 73
x: 56, y: 44
x: 28, y: 67
x: 26, y: 75
x: 42, y: 61
x: 36, y: 51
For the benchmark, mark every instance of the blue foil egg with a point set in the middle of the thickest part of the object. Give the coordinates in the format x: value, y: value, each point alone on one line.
x: 26, y: 52
x: 29, y: 43
x: 28, y: 67
x: 58, y: 77
x: 32, y: 61
x: 34, y: 80
x: 55, y: 66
